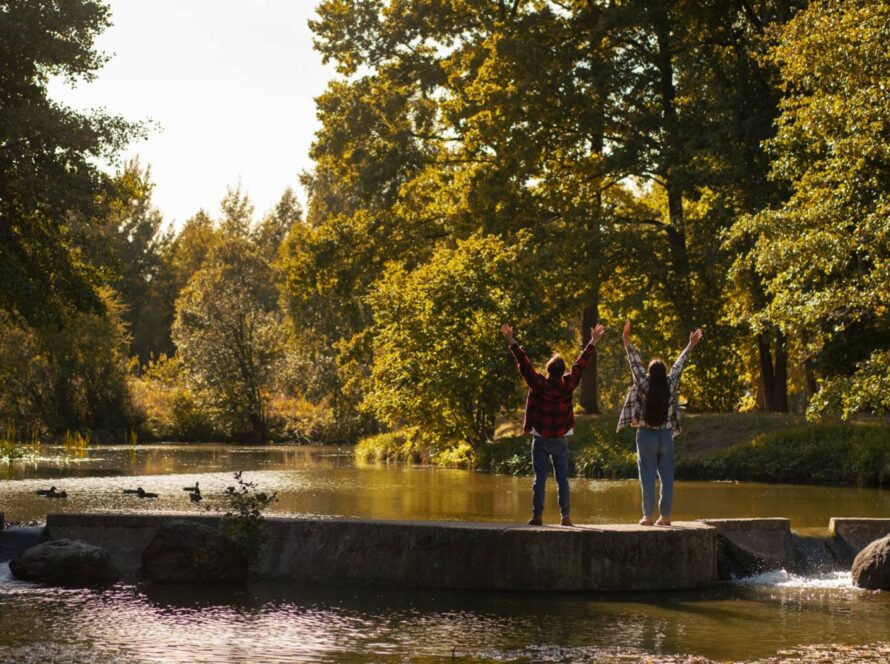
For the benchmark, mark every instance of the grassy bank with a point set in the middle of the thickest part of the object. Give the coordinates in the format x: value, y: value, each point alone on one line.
x: 854, y: 454
x: 731, y: 446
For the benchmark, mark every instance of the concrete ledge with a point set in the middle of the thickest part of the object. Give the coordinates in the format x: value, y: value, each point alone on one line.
x: 749, y: 546
x: 485, y: 556
x: 858, y: 533
x: 777, y: 523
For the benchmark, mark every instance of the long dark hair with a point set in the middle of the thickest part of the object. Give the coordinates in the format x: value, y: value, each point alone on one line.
x: 657, y: 396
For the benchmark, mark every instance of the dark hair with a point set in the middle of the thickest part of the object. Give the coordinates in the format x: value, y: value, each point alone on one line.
x: 556, y: 366
x: 657, y: 396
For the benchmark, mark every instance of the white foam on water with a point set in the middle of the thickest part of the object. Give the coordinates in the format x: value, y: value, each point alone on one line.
x: 783, y: 579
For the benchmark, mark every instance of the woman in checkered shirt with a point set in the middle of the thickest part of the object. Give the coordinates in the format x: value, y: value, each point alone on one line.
x: 652, y: 408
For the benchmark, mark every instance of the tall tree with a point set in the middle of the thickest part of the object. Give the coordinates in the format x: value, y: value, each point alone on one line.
x: 228, y: 337
x: 49, y: 180
x: 134, y: 244
x: 436, y: 365
x: 615, y: 133
x: 824, y: 254
x: 270, y: 232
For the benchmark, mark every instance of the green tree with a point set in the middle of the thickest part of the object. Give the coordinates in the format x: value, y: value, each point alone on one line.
x: 186, y: 253
x: 269, y: 234
x: 228, y: 337
x: 366, y: 150
x: 133, y: 245
x: 71, y: 376
x: 237, y: 212
x: 49, y: 179
x: 439, y: 362
x: 534, y: 116
x: 824, y: 254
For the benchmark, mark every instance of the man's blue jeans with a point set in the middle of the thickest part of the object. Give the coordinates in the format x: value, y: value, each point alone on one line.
x: 543, y: 450
x: 655, y: 454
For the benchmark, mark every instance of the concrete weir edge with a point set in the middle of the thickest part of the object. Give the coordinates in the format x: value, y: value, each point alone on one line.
x: 479, y: 556
x: 499, y: 556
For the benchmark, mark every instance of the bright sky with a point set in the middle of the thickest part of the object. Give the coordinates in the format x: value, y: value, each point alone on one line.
x: 232, y: 84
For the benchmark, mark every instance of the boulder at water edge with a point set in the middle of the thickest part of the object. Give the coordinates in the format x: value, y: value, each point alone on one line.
x: 189, y: 552
x: 871, y: 569
x: 65, y: 563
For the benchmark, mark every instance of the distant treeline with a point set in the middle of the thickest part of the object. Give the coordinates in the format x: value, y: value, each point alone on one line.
x: 549, y: 164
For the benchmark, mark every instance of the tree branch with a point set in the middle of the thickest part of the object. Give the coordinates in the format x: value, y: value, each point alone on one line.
x: 752, y: 16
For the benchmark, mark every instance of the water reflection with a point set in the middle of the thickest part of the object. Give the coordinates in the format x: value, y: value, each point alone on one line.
x: 323, y: 481
x: 288, y: 622
x: 309, y: 623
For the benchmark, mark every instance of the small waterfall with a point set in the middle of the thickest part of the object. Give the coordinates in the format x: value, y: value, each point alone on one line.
x: 769, y: 552
x: 812, y: 555
x: 780, y: 578
x: 15, y: 540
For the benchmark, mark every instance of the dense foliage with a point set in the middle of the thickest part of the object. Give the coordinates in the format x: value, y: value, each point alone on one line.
x: 619, y: 140
x: 824, y: 254
x: 545, y: 164
x: 51, y: 190
x: 228, y: 334
x: 435, y: 364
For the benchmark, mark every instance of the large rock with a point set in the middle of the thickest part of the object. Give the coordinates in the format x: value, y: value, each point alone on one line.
x: 871, y: 569
x: 65, y: 563
x: 189, y: 552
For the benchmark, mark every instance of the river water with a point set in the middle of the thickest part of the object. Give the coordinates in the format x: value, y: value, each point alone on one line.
x: 751, y: 619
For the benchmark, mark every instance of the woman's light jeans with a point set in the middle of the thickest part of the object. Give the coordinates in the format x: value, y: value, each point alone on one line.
x: 655, y: 455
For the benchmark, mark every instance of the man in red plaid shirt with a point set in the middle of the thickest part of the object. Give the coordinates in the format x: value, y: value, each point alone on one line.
x: 550, y: 418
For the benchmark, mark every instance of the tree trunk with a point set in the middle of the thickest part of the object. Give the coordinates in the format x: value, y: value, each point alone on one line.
x: 677, y: 284
x: 767, y: 375
x: 810, y: 374
x: 590, y: 315
x: 589, y: 398
x: 774, y: 375
x: 780, y: 386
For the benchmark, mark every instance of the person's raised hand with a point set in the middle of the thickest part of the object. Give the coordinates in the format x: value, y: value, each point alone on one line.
x: 507, y: 331
x: 596, y: 333
x: 695, y: 337
x: 625, y: 336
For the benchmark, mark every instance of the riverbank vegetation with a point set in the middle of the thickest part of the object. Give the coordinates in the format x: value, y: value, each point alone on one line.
x: 743, y: 446
x: 545, y: 164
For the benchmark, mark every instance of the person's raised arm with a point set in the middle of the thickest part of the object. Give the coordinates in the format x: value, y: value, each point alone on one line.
x: 694, y: 337
x: 583, y: 360
x: 532, y: 378
x: 633, y: 358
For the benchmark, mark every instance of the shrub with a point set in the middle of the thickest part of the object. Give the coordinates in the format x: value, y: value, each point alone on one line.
x: 402, y: 446
x: 242, y: 522
x: 595, y: 451
x: 173, y: 410
x: 810, y: 453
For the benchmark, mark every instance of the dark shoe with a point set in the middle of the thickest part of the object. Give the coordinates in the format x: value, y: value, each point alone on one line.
x: 535, y: 521
x: 566, y: 521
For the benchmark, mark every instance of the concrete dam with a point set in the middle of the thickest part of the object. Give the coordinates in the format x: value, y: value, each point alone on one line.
x: 498, y: 556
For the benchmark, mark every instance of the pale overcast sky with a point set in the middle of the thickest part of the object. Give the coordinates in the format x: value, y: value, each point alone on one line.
x: 232, y: 84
